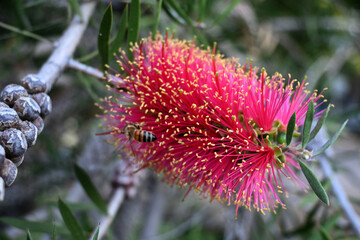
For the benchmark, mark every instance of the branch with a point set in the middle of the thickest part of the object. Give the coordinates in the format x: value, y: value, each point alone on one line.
x: 85, y: 69
x: 65, y: 47
x: 113, y: 206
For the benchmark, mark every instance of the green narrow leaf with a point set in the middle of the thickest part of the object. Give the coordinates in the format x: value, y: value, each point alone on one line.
x: 23, y: 32
x: 324, y: 234
x: 307, y: 124
x: 54, y: 232
x: 28, y: 235
x: 172, y: 14
x: 42, y: 227
x: 331, y: 140
x: 157, y: 19
x: 70, y: 221
x: 134, y: 23
x: 202, y: 10
x: 226, y: 12
x: 89, y: 56
x: 180, y: 12
x: 120, y: 35
x: 24, y: 20
x: 74, y: 4
x: 319, y: 123
x: 104, y: 36
x: 330, y: 222
x: 89, y: 188
x: 290, y: 129
x: 96, y: 234
x: 314, y: 183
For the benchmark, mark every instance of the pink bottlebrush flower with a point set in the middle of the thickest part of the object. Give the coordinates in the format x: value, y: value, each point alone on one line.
x: 216, y: 124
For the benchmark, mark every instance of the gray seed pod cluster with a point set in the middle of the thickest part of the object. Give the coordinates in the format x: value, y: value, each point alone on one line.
x: 22, y: 109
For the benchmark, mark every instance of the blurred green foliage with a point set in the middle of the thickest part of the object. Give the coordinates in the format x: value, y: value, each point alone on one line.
x: 320, y: 39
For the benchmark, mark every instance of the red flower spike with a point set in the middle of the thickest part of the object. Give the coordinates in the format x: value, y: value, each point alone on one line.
x: 216, y: 124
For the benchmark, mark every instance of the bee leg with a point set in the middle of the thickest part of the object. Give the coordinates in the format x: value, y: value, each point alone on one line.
x: 132, y: 148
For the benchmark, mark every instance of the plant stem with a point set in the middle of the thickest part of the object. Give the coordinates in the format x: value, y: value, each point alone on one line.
x: 66, y: 46
x: 85, y: 69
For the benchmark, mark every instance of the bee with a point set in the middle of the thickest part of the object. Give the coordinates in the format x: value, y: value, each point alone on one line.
x: 133, y: 131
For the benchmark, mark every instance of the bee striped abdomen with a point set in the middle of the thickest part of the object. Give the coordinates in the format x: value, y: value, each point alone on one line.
x: 144, y: 136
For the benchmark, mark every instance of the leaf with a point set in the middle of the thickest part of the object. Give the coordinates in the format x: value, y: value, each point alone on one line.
x: 104, y: 36
x: 331, y: 221
x: 314, y: 183
x: 74, y: 4
x: 42, y: 227
x: 324, y: 234
x: 290, y: 129
x: 70, y: 221
x: 54, y: 232
x: 311, y: 197
x: 23, y: 32
x: 180, y: 12
x: 24, y: 20
x: 307, y: 124
x: 226, y: 12
x: 28, y: 235
x: 202, y: 10
x: 331, y: 140
x: 134, y: 23
x: 319, y: 123
x: 157, y: 19
x: 172, y: 14
x: 89, y: 188
x: 120, y: 35
x: 96, y: 234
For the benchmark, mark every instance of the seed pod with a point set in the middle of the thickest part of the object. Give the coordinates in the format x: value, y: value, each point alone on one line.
x: 8, y: 118
x: 2, y: 189
x: 27, y: 108
x: 39, y: 123
x: 18, y: 160
x: 33, y: 84
x: 30, y: 131
x: 44, y: 102
x: 2, y: 155
x: 14, y: 142
x: 11, y: 93
x: 8, y: 172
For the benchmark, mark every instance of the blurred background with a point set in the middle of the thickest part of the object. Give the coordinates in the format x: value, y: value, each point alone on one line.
x: 319, y: 39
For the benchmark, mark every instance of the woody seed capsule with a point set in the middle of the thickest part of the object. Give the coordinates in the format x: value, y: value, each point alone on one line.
x: 2, y: 155
x: 11, y: 93
x: 33, y: 84
x: 27, y: 108
x: 8, y: 118
x: 39, y: 123
x: 30, y: 131
x: 14, y: 142
x: 2, y: 189
x: 18, y: 160
x: 8, y: 172
x: 2, y: 104
x: 44, y: 102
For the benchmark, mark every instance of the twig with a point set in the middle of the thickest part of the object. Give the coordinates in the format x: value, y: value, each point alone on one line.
x: 85, y: 68
x: 113, y: 207
x: 339, y: 192
x: 65, y: 47
x: 155, y: 212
